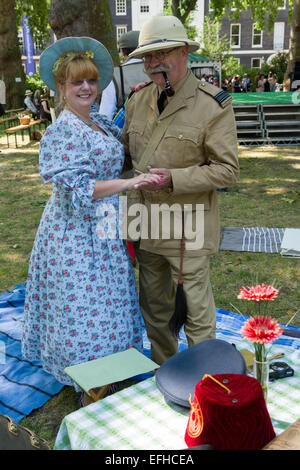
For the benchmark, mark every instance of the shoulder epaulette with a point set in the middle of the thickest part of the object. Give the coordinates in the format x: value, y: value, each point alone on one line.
x: 222, y: 97
x: 219, y: 95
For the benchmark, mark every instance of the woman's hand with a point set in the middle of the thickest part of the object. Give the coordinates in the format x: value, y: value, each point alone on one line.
x: 139, y: 86
x: 145, y: 181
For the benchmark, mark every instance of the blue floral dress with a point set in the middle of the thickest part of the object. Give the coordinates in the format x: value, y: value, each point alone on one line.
x: 81, y: 301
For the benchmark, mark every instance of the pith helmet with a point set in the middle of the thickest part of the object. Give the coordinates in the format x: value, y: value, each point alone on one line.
x: 129, y: 40
x: 162, y: 32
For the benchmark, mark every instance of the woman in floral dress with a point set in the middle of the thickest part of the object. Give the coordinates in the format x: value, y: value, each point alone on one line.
x: 81, y: 301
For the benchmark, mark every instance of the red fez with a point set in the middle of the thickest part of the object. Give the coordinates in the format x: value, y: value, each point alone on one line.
x: 229, y: 412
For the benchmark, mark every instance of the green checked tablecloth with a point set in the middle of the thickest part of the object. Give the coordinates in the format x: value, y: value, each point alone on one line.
x: 139, y: 418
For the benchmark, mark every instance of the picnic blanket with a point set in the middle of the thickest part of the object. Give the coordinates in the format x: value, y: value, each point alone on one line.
x: 25, y: 386
x: 290, y: 245
x: 255, y: 239
x: 140, y: 418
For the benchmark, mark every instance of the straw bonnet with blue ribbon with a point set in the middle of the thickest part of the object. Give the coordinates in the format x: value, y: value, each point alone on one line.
x: 54, y: 55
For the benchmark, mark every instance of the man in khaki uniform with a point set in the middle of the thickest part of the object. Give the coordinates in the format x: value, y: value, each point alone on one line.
x: 193, y: 147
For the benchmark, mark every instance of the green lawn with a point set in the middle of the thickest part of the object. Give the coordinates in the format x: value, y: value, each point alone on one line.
x: 267, y: 194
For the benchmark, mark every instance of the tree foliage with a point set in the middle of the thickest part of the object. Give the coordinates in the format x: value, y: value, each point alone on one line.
x: 263, y: 13
x: 37, y: 13
x: 190, y: 29
x: 213, y: 45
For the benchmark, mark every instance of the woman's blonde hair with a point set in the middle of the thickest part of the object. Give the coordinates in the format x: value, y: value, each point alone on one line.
x: 74, y: 68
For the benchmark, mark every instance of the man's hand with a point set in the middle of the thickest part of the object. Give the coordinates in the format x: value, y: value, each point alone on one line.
x: 161, y: 179
x: 165, y: 177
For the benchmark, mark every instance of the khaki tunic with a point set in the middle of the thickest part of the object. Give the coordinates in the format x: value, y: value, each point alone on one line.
x: 199, y: 147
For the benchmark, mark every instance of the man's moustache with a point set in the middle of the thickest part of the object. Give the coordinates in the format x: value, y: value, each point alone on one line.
x: 160, y: 68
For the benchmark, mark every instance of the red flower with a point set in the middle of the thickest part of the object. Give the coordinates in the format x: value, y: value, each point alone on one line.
x: 258, y: 293
x: 261, y: 329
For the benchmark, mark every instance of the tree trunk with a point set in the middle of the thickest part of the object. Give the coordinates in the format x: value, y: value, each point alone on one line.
x: 176, y: 11
x: 90, y: 18
x: 10, y: 56
x: 294, y: 50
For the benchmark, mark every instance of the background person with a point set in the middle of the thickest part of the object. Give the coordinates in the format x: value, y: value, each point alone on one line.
x: 37, y: 101
x: 260, y: 83
x: 246, y: 83
x: 81, y: 301
x: 2, y: 97
x: 29, y: 104
x: 236, y: 84
x: 45, y: 108
x: 128, y: 42
x: 196, y: 154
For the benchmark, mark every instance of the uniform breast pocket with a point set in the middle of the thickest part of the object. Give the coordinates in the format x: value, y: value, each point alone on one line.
x: 135, y: 134
x: 183, y: 144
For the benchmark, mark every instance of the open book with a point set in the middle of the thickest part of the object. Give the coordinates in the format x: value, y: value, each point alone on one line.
x: 110, y: 369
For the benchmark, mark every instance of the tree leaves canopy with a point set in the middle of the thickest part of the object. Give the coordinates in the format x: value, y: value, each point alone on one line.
x: 37, y: 13
x: 263, y: 13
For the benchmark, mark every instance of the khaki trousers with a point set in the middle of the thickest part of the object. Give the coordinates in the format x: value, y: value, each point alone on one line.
x: 158, y: 276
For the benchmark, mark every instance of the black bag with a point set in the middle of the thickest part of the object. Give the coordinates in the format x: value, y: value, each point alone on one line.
x: 16, y: 437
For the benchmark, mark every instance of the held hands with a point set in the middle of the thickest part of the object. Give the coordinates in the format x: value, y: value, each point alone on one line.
x: 158, y: 178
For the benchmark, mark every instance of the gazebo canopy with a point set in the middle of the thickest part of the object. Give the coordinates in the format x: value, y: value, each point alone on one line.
x: 196, y: 57
x: 197, y: 61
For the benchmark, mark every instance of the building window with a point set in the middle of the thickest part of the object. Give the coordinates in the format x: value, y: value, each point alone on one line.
x: 144, y: 8
x: 255, y: 62
x: 21, y: 38
x: 257, y: 35
x: 120, y: 7
x: 283, y: 6
x: 235, y: 35
x: 121, y: 30
x: 279, y: 36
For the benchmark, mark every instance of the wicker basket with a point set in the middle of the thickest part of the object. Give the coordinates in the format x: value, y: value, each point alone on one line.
x: 25, y: 120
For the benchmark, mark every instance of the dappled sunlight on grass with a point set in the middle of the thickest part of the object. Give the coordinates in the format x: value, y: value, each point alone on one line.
x: 277, y: 190
x: 14, y: 255
x: 270, y: 152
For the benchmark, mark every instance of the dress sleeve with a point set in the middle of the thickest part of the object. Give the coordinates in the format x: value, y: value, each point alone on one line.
x: 66, y: 159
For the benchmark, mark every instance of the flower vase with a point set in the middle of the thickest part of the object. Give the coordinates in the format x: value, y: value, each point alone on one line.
x: 261, y: 373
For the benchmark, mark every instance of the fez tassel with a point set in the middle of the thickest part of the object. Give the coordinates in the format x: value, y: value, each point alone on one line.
x: 180, y: 314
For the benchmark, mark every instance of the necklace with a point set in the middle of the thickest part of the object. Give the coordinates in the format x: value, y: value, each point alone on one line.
x: 88, y: 122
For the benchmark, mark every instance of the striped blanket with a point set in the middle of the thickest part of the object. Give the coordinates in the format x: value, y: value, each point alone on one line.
x: 255, y: 239
x: 25, y: 386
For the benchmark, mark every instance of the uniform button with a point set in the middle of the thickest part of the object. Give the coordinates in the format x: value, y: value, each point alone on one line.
x: 203, y: 84
x: 180, y: 136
